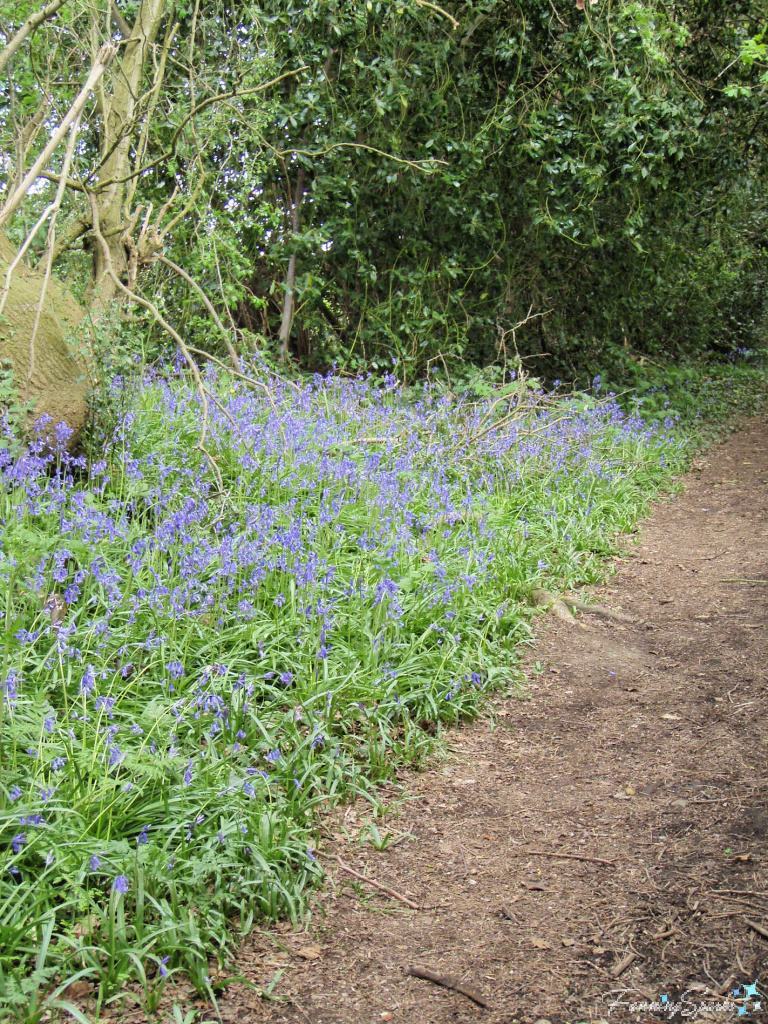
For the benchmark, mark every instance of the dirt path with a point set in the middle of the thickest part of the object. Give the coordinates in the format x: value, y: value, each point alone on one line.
x: 644, y: 745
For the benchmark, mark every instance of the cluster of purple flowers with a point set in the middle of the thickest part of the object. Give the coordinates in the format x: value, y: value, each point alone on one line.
x: 360, y: 564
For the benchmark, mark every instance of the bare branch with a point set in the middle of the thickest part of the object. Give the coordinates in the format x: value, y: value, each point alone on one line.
x: 439, y: 10
x: 209, y: 306
x: 51, y: 243
x: 415, y: 164
x: 249, y: 380
x: 29, y: 26
x: 50, y: 211
x: 106, y: 53
x: 219, y: 97
x: 122, y: 25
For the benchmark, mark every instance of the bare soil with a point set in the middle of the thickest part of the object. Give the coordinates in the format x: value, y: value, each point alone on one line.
x: 641, y: 744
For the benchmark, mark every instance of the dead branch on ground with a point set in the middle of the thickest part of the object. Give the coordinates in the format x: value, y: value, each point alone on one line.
x: 446, y: 981
x: 376, y: 885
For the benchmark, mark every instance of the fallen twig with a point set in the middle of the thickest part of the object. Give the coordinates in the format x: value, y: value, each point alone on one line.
x: 601, y: 610
x: 757, y: 928
x: 564, y: 856
x: 551, y: 603
x: 375, y: 884
x: 619, y: 968
x: 447, y: 982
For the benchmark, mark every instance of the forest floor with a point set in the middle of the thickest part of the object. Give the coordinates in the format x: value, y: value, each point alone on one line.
x: 640, y: 745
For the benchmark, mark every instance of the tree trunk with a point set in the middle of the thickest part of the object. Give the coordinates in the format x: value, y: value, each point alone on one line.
x: 49, y: 374
x: 290, y: 278
x: 116, y: 149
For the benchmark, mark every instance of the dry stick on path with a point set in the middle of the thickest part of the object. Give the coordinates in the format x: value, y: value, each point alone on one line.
x: 375, y: 884
x: 447, y: 982
x: 564, y: 856
x: 618, y: 969
x: 757, y: 928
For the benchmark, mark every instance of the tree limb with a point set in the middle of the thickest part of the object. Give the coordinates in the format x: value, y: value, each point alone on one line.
x: 106, y: 53
x: 50, y: 245
x: 29, y: 26
x: 168, y: 153
x: 209, y: 306
x: 439, y: 10
x: 50, y: 211
x: 154, y: 94
x: 290, y: 279
x: 122, y: 25
x: 415, y: 164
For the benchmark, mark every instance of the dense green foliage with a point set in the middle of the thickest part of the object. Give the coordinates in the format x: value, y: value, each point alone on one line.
x: 596, y: 173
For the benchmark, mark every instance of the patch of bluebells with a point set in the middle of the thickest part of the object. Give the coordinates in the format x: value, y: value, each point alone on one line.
x: 368, y: 555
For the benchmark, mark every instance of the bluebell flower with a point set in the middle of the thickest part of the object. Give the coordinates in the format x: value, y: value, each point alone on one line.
x: 121, y: 884
x: 31, y: 819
